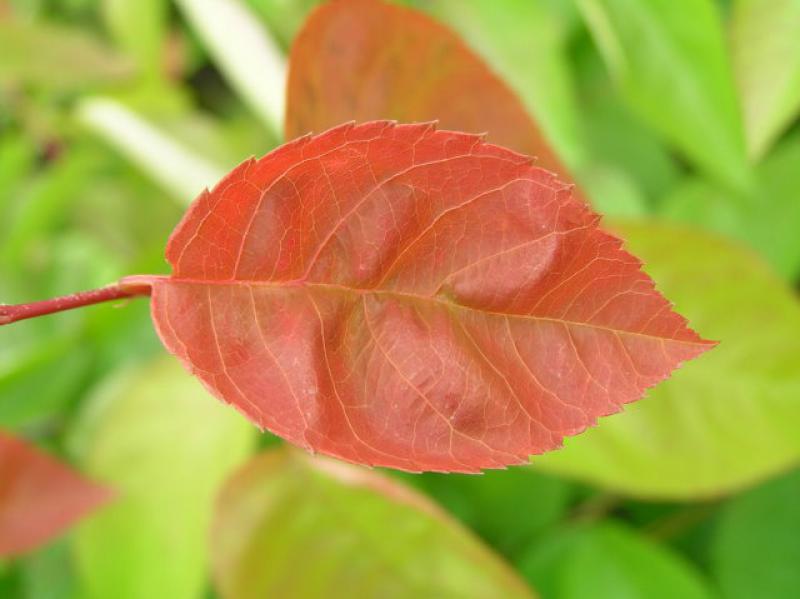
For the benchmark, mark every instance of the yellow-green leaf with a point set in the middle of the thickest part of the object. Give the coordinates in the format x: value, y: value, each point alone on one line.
x: 765, y: 46
x: 725, y: 421
x: 165, y: 444
x: 670, y: 61
x: 289, y: 525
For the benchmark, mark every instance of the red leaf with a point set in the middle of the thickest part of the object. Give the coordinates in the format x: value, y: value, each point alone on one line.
x: 400, y: 296
x: 363, y: 59
x: 39, y: 496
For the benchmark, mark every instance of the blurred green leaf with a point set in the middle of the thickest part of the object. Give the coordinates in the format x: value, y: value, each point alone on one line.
x: 756, y: 550
x: 613, y: 191
x: 176, y: 167
x: 26, y: 8
x: 158, y: 438
x: 56, y: 57
x: 56, y: 243
x: 49, y: 573
x: 525, y: 42
x: 79, y: 262
x: 724, y: 421
x: 508, y: 508
x: 611, y: 561
x: 62, y: 264
x: 768, y: 219
x: 140, y: 28
x: 543, y: 564
x: 283, y: 17
x: 17, y: 158
x: 38, y: 211
x: 289, y: 525
x: 10, y: 583
x: 126, y: 214
x: 37, y: 385
x: 120, y: 335
x: 669, y: 59
x: 245, y: 53
x: 616, y: 139
x: 765, y: 48
x: 225, y: 143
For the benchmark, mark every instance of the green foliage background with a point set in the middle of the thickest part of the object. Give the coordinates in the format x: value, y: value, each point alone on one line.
x: 680, y: 120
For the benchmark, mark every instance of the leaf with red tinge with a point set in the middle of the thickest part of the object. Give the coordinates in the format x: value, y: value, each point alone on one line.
x: 401, y: 296
x: 39, y: 496
x: 350, y: 529
x: 365, y: 59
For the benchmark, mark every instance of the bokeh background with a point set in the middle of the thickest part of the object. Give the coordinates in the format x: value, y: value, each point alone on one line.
x: 678, y: 119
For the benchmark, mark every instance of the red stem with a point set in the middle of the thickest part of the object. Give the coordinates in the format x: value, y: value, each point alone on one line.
x: 134, y: 286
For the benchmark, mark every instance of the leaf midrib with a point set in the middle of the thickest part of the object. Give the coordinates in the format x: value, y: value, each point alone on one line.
x: 449, y: 305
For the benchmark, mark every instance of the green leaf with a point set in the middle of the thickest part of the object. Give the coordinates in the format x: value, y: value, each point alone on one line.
x: 756, y: 551
x: 768, y: 218
x: 612, y: 561
x: 613, y: 191
x: 525, y: 42
x: 176, y: 167
x: 56, y: 57
x: 245, y: 53
x: 10, y: 581
x: 617, y: 140
x: 139, y: 28
x: 17, y: 157
x: 724, y: 421
x: 37, y: 384
x: 775, y: 221
x: 491, y: 504
x: 284, y: 17
x: 289, y: 525
x: 765, y: 47
x: 543, y: 564
x: 669, y: 60
x: 36, y: 212
x: 627, y: 166
x: 49, y: 573
x: 158, y: 438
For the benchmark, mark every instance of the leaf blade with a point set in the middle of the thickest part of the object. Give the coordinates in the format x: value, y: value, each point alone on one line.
x: 344, y: 66
x: 742, y: 397
x: 757, y: 539
x: 315, y: 343
x: 674, y: 72
x: 765, y: 50
x: 767, y: 218
x: 177, y: 168
x: 609, y: 560
x: 283, y: 507
x: 40, y: 496
x: 526, y: 43
x: 250, y: 60
x: 158, y: 438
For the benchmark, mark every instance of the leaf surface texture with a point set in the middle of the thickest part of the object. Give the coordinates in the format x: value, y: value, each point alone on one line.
x: 400, y: 296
